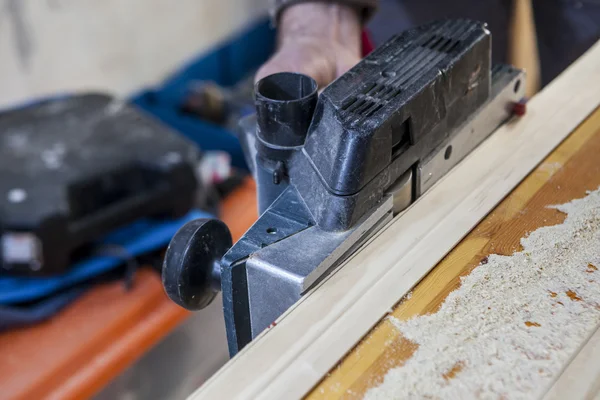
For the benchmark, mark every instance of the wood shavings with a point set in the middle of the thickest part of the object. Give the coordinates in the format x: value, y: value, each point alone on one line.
x: 515, y: 321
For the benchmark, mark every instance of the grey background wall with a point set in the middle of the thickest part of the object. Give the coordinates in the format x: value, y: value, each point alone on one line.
x: 49, y: 46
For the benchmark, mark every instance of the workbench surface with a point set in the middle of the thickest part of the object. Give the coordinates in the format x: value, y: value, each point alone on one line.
x: 84, y: 347
x: 572, y: 169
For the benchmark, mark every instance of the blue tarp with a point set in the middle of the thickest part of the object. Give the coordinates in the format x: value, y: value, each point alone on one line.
x: 27, y: 300
x: 139, y: 238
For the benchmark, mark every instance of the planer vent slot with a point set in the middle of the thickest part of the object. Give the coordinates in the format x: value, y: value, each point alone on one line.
x: 366, y: 104
x: 441, y: 43
x: 425, y: 53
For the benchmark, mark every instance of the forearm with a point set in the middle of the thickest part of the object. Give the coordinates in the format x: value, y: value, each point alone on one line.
x: 322, y: 21
x: 365, y: 8
x: 318, y: 38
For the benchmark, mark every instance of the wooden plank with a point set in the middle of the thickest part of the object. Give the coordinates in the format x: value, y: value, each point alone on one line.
x: 76, y: 353
x: 287, y: 360
x: 581, y: 378
x: 571, y: 170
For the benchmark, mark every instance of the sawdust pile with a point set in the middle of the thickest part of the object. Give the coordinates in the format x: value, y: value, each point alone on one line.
x: 514, y: 323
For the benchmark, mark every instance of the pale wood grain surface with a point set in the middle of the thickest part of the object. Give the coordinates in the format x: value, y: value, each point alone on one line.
x: 581, y: 378
x: 571, y: 170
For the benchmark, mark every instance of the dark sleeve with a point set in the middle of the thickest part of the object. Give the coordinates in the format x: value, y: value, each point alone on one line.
x: 365, y: 7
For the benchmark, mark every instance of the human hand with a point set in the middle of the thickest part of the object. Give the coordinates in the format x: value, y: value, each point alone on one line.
x: 320, y: 40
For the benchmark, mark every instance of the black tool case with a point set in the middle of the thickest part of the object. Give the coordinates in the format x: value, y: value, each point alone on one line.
x: 73, y: 169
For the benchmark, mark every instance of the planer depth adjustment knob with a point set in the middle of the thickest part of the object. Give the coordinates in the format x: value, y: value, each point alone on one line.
x: 191, y: 269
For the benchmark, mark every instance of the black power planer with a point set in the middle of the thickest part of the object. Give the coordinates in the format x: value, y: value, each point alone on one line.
x: 332, y: 169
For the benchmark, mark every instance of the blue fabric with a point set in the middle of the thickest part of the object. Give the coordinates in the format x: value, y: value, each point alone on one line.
x: 139, y: 238
x: 14, y: 317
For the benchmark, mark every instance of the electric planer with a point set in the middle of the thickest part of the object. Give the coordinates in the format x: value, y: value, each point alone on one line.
x: 333, y: 168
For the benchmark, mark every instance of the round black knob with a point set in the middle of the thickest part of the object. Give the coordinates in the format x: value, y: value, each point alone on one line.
x: 192, y: 260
